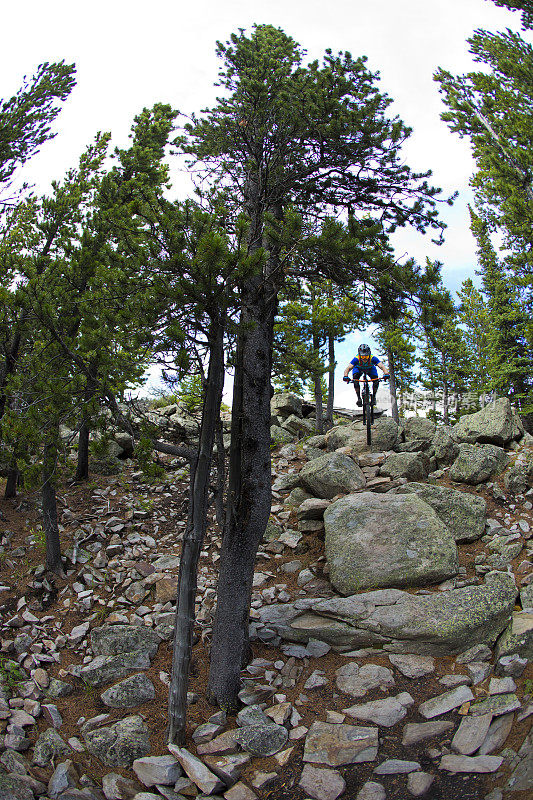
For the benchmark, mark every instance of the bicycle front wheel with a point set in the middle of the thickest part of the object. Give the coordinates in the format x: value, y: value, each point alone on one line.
x: 368, y: 424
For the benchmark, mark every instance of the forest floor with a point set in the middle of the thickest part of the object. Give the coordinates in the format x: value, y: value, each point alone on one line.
x: 145, y: 522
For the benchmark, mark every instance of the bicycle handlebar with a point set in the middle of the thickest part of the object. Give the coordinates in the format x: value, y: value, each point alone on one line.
x: 366, y: 379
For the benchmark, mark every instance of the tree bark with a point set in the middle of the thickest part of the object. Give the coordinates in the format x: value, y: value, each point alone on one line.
x: 194, y: 536
x: 317, y: 390
x: 221, y: 474
x: 49, y: 502
x: 331, y: 382
x: 445, y: 417
x: 82, y: 467
x: 249, y: 484
x: 392, y: 386
x: 12, y: 482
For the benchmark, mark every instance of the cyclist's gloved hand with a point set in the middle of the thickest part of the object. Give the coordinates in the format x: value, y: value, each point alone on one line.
x: 346, y: 379
x: 386, y: 375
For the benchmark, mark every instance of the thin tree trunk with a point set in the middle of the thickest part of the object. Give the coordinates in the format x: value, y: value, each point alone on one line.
x: 12, y: 482
x: 331, y: 382
x: 318, y: 390
x: 221, y: 474
x: 82, y: 467
x: 194, y: 536
x: 49, y: 502
x: 445, y: 417
x: 392, y: 386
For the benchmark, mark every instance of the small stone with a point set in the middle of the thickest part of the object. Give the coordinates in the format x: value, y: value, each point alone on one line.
x: 335, y: 745
x: 394, y: 766
x: 471, y: 734
x: 154, y: 770
x: 196, y: 770
x: 445, y: 702
x: 501, y: 685
x: 478, y: 671
x: 451, y: 681
x: 321, y: 784
x: 371, y: 791
x: 63, y: 777
x: 418, y: 783
x: 316, y: 680
x: 496, y: 705
x: 385, y: 712
x: 262, y: 740
x: 130, y: 692
x: 413, y: 666
x: 415, y: 732
x: 512, y: 665
x: 240, y: 792
x: 476, y: 764
x: 227, y: 768
x: 497, y: 734
x: 479, y: 652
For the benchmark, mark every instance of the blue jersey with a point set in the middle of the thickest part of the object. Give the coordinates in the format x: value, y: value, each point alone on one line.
x: 372, y: 371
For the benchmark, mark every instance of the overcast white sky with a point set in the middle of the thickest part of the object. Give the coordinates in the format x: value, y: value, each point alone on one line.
x: 133, y: 54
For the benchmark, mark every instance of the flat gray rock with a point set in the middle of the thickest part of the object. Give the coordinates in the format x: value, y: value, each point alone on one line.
x: 379, y: 541
x: 371, y: 791
x: 445, y: 702
x: 418, y: 783
x: 441, y: 623
x: 105, y: 669
x: 13, y: 787
x: 262, y: 740
x: 110, y: 640
x: 395, y: 766
x: 338, y: 744
x: 357, y: 681
x: 49, y: 746
x: 497, y: 734
x: 320, y: 783
x: 154, y: 770
x: 471, y: 734
x: 385, y: 713
x: 497, y: 704
x: 412, y: 666
x: 415, y: 732
x: 471, y: 763
x: 132, y: 691
x: 196, y: 770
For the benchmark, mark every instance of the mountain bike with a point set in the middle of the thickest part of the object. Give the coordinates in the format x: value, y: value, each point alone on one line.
x: 368, y: 406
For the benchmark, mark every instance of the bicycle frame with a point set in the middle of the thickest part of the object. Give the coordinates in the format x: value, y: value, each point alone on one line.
x: 368, y: 406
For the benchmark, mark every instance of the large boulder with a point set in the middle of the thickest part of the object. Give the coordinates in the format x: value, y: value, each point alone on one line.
x: 298, y: 426
x: 439, y: 624
x: 385, y: 435
x: 413, y: 466
x: 518, y: 636
x: 463, y: 514
x: 492, y: 425
x: 119, y: 745
x: 477, y: 463
x: 331, y: 474
x: 377, y: 541
x: 519, y: 477
x: 284, y: 404
x: 347, y: 435
x: 280, y: 435
x: 418, y: 428
x: 445, y: 446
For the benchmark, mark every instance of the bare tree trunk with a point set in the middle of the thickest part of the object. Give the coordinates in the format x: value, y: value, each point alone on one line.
x: 194, y: 536
x: 317, y: 382
x: 445, y: 416
x: 221, y: 474
x: 49, y: 502
x: 331, y: 382
x: 12, y: 482
x: 82, y: 467
x: 392, y: 386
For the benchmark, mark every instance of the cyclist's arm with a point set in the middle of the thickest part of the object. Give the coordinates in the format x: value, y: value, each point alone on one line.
x: 382, y: 368
x: 348, y: 369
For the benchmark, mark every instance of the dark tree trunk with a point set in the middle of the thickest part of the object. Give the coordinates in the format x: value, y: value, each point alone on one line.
x: 50, y: 526
x: 249, y: 490
x: 82, y: 468
x: 194, y: 536
x: 318, y: 390
x: 445, y: 417
x: 221, y: 475
x: 392, y: 386
x: 12, y: 482
x: 331, y: 382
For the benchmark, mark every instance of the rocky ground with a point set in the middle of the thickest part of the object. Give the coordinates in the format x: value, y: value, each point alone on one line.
x: 390, y: 628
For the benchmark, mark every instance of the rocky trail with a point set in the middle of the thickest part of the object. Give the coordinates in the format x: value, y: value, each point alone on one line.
x: 391, y: 626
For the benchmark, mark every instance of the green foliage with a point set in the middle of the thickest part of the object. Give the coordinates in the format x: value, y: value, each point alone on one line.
x: 190, y: 393
x: 144, y: 457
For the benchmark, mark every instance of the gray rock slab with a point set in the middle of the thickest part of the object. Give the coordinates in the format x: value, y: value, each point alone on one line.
x: 497, y: 734
x: 104, y: 669
x: 331, y: 474
x: 440, y: 623
x: 463, y: 514
x: 110, y: 640
x: 199, y: 774
x: 13, y: 787
x: 497, y: 704
x: 412, y: 666
x: 132, y: 691
x: 395, y: 766
x: 518, y: 636
x: 415, y: 732
x: 154, y: 770
x: 445, y: 702
x: 320, y: 783
x: 379, y: 541
x: 385, y: 713
x: 476, y: 764
x: 471, y: 734
x: 227, y: 768
x: 48, y: 747
x: 337, y: 744
x: 357, y: 681
x: 119, y: 745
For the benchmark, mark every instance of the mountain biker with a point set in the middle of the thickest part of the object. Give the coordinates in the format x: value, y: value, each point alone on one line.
x: 364, y: 364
